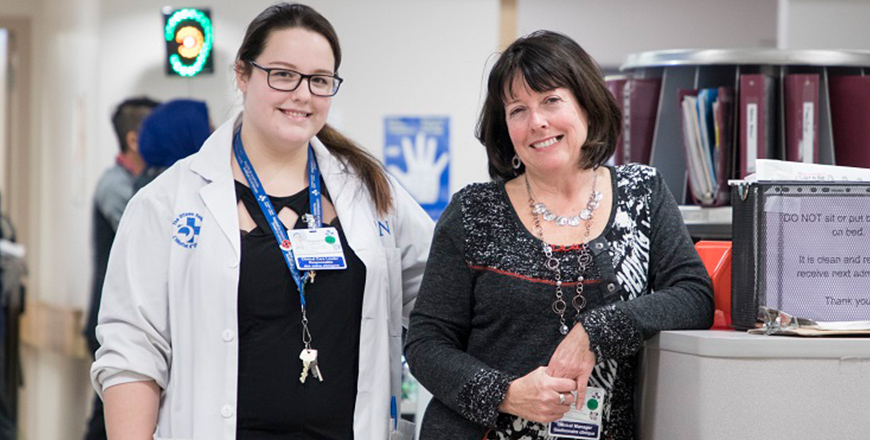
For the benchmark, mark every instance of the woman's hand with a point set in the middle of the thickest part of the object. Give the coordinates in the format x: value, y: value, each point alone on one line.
x: 535, y: 397
x: 573, y: 359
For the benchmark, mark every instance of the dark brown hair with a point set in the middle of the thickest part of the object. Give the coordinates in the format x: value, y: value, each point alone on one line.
x: 547, y: 60
x: 285, y: 16
x: 128, y: 116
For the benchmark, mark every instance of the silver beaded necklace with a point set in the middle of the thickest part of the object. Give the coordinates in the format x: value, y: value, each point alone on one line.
x: 584, y: 259
x: 573, y: 220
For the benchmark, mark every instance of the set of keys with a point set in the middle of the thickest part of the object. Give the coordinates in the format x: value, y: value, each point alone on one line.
x: 309, y: 363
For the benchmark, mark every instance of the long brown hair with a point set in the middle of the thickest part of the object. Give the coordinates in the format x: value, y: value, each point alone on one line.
x: 548, y: 60
x: 284, y: 16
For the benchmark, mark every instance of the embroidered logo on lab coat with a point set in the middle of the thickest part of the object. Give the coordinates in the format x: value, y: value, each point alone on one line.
x: 384, y: 228
x: 187, y: 226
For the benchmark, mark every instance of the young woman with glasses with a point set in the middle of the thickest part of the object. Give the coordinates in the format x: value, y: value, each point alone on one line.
x: 211, y: 326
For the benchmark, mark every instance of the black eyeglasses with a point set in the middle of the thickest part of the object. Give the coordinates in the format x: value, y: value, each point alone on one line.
x: 287, y: 80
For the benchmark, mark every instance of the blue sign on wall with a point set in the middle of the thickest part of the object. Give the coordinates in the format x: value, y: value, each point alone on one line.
x: 417, y: 154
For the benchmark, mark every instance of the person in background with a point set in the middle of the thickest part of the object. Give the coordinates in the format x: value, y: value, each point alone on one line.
x: 174, y: 131
x: 549, y: 279
x: 114, y: 189
x: 209, y: 329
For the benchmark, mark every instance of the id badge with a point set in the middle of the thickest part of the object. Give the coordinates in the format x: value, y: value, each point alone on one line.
x: 317, y: 249
x: 582, y: 423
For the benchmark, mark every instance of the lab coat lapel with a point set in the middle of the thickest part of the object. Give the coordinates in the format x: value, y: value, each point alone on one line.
x: 213, y: 163
x: 343, y: 191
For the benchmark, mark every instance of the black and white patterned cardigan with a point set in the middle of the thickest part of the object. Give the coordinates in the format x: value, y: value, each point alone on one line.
x: 483, y: 315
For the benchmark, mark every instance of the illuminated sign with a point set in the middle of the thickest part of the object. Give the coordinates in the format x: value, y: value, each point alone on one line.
x: 189, y: 41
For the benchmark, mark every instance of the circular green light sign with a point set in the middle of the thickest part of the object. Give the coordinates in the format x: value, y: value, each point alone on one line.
x: 200, y: 50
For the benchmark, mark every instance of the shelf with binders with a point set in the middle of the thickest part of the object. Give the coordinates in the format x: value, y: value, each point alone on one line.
x: 702, y: 117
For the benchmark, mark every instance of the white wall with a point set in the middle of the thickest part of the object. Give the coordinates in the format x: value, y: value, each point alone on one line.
x: 19, y: 8
x: 827, y: 24
x: 611, y: 30
x: 420, y: 58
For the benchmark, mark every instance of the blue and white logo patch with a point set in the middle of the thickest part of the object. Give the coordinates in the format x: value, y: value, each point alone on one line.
x: 187, y: 226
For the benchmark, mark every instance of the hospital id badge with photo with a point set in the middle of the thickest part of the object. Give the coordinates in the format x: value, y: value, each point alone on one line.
x: 317, y: 249
x: 582, y: 423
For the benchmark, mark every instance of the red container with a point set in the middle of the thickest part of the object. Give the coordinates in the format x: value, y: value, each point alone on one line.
x: 716, y: 256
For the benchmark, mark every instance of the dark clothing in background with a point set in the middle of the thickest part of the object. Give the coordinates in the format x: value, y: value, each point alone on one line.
x: 146, y: 177
x: 114, y: 190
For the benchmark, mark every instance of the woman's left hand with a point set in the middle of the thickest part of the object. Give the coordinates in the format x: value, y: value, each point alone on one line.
x: 573, y: 359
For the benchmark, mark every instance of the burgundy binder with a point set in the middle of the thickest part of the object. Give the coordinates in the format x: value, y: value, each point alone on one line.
x: 640, y: 104
x: 802, y: 117
x: 850, y: 116
x: 724, y: 151
x: 757, y: 110
x: 617, y: 88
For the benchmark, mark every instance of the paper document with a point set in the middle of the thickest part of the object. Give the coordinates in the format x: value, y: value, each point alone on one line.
x: 777, y: 170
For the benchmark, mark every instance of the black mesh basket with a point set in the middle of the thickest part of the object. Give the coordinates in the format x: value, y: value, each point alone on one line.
x: 801, y: 247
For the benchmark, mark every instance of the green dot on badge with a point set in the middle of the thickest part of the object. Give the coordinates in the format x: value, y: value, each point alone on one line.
x: 330, y: 239
x: 592, y: 404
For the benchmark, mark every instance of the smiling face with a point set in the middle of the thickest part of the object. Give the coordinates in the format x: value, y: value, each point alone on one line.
x: 547, y: 129
x: 287, y: 120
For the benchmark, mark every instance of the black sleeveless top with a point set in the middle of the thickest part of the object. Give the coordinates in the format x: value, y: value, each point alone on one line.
x: 272, y: 403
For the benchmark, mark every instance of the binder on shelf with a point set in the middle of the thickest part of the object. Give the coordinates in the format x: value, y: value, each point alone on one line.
x: 698, y: 156
x: 757, y: 120
x: 802, y: 117
x: 640, y: 106
x: 706, y: 98
x: 707, y: 139
x: 724, y: 151
x: 850, y: 119
x: 616, y: 85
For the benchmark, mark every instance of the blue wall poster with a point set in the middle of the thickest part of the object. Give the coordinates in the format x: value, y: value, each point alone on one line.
x: 417, y: 154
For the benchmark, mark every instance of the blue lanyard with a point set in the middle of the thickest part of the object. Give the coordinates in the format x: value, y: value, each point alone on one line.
x: 314, y: 203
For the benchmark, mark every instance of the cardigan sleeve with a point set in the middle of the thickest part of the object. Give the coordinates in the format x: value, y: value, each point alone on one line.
x: 440, y: 327
x: 681, y: 293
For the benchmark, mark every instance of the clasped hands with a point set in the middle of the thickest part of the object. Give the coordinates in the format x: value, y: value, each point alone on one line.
x: 536, y: 396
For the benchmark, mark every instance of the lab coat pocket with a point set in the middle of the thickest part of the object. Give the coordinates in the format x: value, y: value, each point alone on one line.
x: 394, y: 289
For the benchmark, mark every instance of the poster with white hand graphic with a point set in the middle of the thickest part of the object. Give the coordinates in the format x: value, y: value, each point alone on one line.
x: 417, y: 154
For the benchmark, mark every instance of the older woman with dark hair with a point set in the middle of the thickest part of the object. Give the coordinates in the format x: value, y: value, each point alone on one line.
x: 550, y: 278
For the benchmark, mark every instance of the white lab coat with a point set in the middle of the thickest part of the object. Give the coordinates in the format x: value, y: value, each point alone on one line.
x: 169, y: 307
